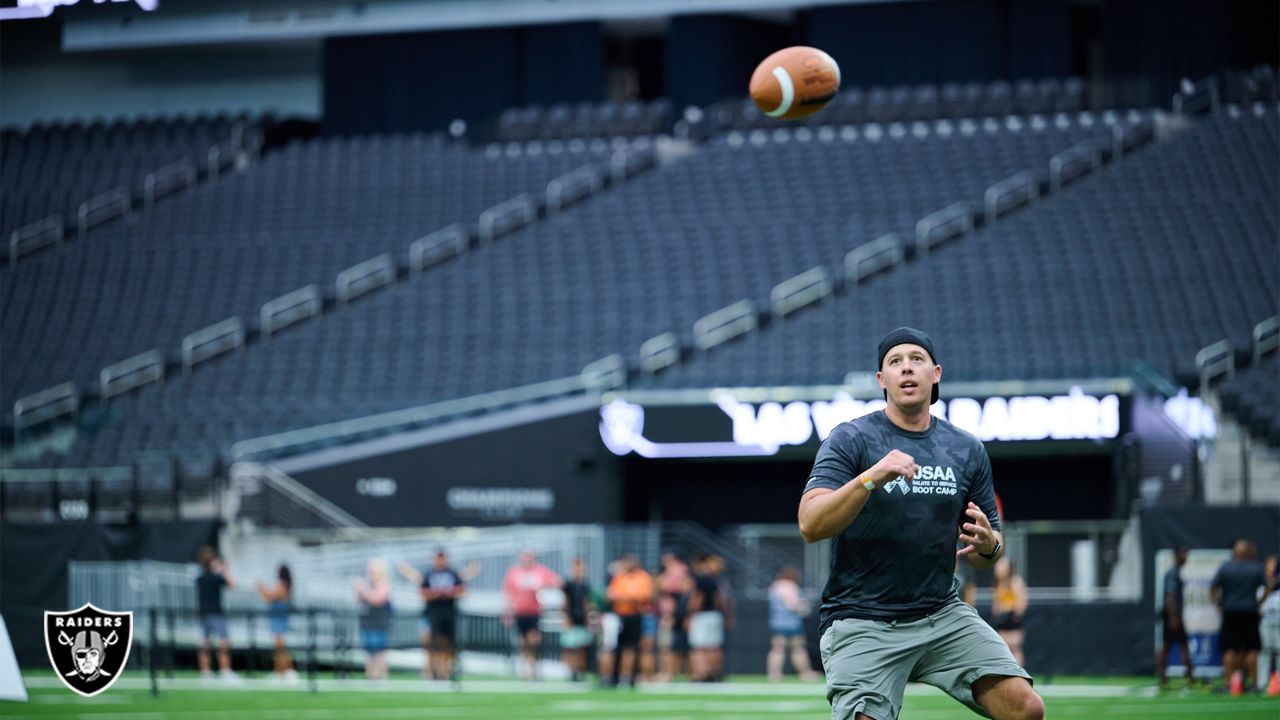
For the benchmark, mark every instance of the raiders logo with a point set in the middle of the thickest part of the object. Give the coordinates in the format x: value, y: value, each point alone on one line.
x: 88, y: 647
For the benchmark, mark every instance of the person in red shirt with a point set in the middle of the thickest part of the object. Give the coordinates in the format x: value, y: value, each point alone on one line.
x: 521, y: 586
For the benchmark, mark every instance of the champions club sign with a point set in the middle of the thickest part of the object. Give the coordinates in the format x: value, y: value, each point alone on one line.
x: 762, y: 430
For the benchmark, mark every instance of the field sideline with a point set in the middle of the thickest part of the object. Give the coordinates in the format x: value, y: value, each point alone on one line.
x: 744, y: 699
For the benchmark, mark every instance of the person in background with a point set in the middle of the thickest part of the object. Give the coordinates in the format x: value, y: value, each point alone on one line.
x: 1009, y: 607
x: 631, y: 592
x: 215, y: 575
x: 374, y: 594
x: 968, y: 583
x: 1235, y: 591
x: 610, y: 627
x: 1269, y: 629
x: 279, y: 599
x: 706, y: 622
x: 1174, y: 633
x: 788, y: 608
x: 675, y: 582
x: 576, y: 636
x: 522, y: 583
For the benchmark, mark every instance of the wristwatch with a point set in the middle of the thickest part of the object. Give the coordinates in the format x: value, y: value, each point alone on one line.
x: 994, y: 551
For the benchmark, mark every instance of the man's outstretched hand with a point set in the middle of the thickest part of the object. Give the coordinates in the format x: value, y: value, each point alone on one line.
x: 977, y: 535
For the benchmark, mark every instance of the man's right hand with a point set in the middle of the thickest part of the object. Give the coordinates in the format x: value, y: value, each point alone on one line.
x: 893, y: 465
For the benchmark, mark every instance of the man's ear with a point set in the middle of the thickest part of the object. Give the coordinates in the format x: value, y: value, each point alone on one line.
x: 937, y: 373
x: 880, y: 379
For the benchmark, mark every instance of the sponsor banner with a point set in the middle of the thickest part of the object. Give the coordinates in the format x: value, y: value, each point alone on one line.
x: 732, y: 428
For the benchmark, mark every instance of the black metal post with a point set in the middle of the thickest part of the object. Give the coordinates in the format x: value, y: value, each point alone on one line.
x: 55, y: 497
x: 311, y: 649
x: 172, y: 655
x: 152, y: 646
x: 253, y: 644
x: 93, y: 497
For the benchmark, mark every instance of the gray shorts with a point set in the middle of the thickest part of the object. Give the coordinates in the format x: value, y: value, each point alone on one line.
x: 868, y: 662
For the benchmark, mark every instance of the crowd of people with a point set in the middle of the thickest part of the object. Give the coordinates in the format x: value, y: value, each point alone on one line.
x: 643, y: 626
x: 1246, y: 593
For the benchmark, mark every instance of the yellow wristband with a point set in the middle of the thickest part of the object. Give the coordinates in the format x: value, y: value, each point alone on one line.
x: 867, y: 482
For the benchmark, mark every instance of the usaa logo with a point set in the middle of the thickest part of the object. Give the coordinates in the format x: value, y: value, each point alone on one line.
x: 926, y: 477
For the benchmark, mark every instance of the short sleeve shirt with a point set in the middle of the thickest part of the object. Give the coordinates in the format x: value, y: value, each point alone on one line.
x: 1239, y: 581
x: 897, y: 559
x: 209, y: 592
x: 441, y: 581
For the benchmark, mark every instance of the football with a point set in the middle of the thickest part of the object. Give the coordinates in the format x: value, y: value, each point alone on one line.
x: 795, y: 82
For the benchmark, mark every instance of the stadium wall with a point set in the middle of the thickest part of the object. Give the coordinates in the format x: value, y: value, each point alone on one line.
x: 493, y: 471
x: 34, y: 559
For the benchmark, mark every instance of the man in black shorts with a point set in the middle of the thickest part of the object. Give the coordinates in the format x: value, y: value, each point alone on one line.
x: 441, y: 588
x: 1235, y: 591
x: 894, y: 491
x: 1174, y: 633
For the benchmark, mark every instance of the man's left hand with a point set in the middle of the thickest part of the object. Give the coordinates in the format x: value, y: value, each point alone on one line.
x: 977, y: 536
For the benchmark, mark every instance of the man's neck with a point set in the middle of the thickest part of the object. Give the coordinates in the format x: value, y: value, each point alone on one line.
x: 916, y: 420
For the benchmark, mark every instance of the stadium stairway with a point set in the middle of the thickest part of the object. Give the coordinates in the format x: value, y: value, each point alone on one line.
x: 1243, y: 459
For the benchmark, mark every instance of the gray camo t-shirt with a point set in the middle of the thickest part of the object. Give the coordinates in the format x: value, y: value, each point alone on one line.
x: 898, y: 557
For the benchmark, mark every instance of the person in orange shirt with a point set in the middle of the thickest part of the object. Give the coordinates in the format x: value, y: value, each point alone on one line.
x: 631, y: 592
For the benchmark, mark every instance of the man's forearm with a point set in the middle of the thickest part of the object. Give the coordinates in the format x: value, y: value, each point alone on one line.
x: 825, y: 515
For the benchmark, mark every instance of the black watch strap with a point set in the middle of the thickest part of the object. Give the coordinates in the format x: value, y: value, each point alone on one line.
x: 994, y: 551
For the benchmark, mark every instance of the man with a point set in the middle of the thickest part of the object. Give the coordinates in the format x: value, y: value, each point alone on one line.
x: 576, y: 636
x: 524, y: 610
x: 1174, y: 632
x: 894, y: 490
x: 1235, y: 591
x: 214, y: 576
x: 631, y: 594
x: 440, y: 587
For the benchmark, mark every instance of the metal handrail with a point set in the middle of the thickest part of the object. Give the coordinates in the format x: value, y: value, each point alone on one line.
x: 365, y: 277
x: 33, y: 236
x: 952, y: 220
x: 1266, y: 337
x: 290, y: 308
x: 572, y: 187
x: 47, y: 404
x: 168, y: 179
x: 607, y: 373
x: 1214, y: 361
x: 211, y: 341
x: 101, y: 208
x: 130, y: 373
x: 724, y: 324
x: 507, y: 216
x: 1010, y: 193
x: 659, y: 351
x: 870, y: 258
x: 314, y: 502
x: 294, y: 441
x: 804, y: 289
x: 1081, y: 158
x: 438, y: 246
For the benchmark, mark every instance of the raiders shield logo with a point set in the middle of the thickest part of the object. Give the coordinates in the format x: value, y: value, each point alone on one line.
x: 88, y: 647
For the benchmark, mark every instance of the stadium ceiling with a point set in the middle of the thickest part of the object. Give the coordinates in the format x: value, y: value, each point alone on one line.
x: 205, y: 22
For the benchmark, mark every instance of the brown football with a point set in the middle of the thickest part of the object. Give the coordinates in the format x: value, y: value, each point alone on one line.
x: 795, y: 82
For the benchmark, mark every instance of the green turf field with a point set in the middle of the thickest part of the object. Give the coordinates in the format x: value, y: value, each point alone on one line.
x: 506, y: 700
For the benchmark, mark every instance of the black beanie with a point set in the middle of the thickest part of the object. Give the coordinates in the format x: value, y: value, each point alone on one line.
x: 907, y: 335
